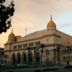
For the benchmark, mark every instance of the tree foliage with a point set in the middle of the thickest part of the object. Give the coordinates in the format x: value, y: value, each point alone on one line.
x: 5, y: 15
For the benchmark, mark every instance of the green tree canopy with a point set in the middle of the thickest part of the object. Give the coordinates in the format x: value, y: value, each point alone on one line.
x: 5, y: 15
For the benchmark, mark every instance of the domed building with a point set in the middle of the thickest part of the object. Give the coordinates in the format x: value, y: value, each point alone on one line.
x: 49, y: 46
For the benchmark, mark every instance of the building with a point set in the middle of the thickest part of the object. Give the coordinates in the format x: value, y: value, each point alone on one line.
x: 1, y: 55
x: 49, y: 46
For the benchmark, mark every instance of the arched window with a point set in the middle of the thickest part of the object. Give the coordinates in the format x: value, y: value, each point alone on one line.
x: 18, y: 58
x: 30, y: 57
x: 58, y: 54
x: 37, y: 57
x: 13, y: 58
x: 6, y: 58
x: 24, y: 58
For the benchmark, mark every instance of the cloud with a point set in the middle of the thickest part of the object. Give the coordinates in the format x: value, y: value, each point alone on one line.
x: 34, y: 14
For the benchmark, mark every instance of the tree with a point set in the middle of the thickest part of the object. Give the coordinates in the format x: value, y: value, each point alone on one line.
x: 5, y: 15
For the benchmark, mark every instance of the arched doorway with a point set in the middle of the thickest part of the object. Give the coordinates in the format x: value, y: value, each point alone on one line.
x: 13, y: 58
x: 30, y: 57
x: 37, y: 57
x: 18, y: 58
x: 24, y: 58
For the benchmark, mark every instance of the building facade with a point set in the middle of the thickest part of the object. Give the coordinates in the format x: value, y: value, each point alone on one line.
x: 49, y: 46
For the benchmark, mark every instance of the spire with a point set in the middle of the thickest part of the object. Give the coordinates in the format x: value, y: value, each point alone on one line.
x: 51, y: 25
x: 11, y: 29
x: 51, y: 17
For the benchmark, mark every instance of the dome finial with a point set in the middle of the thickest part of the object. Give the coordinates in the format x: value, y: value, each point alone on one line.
x: 12, y: 29
x: 51, y: 24
x: 51, y: 17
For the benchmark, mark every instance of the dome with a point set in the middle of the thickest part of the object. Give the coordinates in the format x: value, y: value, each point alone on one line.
x: 51, y: 24
x: 11, y: 37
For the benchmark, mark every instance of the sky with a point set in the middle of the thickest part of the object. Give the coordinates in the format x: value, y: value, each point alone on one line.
x: 34, y: 15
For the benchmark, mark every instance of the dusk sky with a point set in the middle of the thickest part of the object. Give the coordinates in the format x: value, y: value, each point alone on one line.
x: 35, y: 14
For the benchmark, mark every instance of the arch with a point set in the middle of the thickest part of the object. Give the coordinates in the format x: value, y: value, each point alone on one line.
x: 58, y: 54
x: 37, y: 57
x: 18, y: 58
x: 30, y: 57
x: 24, y: 57
x: 13, y: 58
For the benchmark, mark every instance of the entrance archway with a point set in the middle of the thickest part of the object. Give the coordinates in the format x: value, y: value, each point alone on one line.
x: 37, y: 58
x: 24, y: 58
x: 13, y: 58
x: 30, y: 57
x: 18, y: 58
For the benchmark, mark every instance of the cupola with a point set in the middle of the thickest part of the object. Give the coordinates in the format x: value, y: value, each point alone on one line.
x: 51, y: 24
x: 11, y: 37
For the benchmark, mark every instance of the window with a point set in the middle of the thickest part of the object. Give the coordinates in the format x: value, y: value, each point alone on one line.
x: 24, y: 45
x: 37, y: 43
x: 6, y: 56
x: 47, y: 52
x: 65, y: 58
x: 15, y: 47
x: 30, y: 44
x: 19, y: 46
x: 47, y: 39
